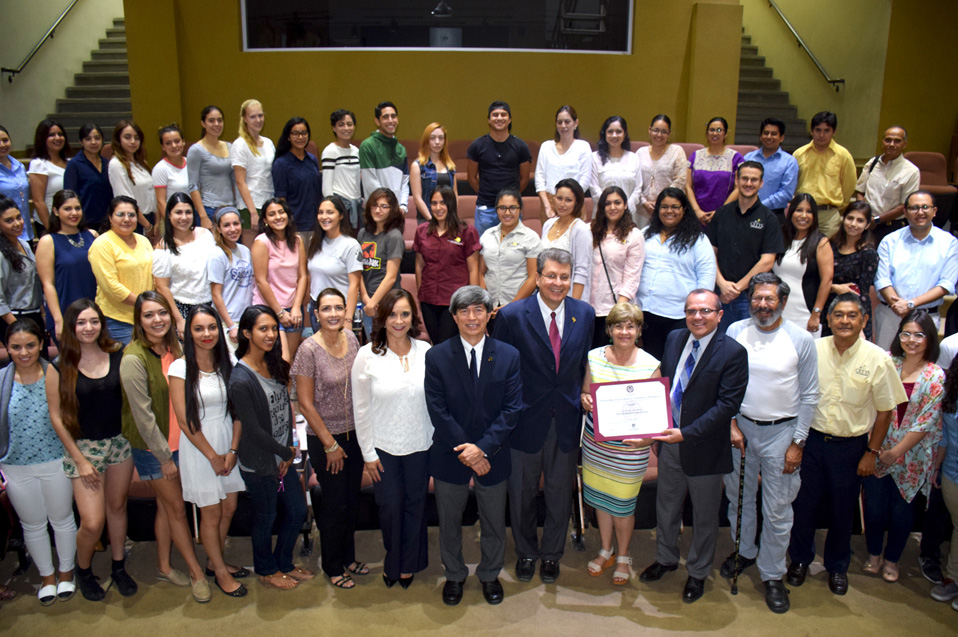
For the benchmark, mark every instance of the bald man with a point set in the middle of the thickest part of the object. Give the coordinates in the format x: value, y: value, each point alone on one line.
x: 886, y: 180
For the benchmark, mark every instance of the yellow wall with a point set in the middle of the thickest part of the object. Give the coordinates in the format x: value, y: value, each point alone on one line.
x: 920, y: 89
x: 850, y: 39
x: 454, y: 88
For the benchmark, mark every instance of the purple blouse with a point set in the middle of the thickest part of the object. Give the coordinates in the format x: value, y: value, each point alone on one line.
x: 713, y: 177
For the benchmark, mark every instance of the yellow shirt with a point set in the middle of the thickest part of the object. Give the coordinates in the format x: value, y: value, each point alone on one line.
x: 828, y: 176
x: 854, y: 387
x: 120, y: 271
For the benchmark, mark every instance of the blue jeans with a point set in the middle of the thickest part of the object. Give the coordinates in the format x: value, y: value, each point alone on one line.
x: 119, y: 331
x: 265, y: 493
x: 885, y: 509
x: 485, y: 218
x: 147, y: 465
x: 737, y: 310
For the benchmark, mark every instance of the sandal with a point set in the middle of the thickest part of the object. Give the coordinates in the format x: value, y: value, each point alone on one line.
x: 358, y: 568
x: 623, y: 571
x: 889, y: 572
x: 604, y: 560
x: 872, y: 565
x: 6, y: 594
x: 279, y: 580
x: 344, y: 581
x: 300, y: 574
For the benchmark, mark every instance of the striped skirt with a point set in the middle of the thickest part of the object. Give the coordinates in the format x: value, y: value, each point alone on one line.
x: 612, y: 473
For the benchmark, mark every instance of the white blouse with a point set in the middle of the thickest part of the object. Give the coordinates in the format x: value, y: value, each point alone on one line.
x: 54, y: 173
x: 551, y: 167
x: 141, y: 188
x: 187, y: 270
x: 623, y: 172
x: 389, y: 403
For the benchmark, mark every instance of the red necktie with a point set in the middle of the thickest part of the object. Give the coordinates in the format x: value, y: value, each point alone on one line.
x: 554, y: 340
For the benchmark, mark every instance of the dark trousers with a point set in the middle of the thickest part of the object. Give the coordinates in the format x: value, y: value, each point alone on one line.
x: 559, y: 469
x: 451, y: 502
x: 339, y: 507
x: 655, y: 329
x: 265, y: 493
x: 401, y: 497
x: 438, y: 322
x: 737, y: 310
x: 935, y: 527
x: 830, y: 483
x: 885, y: 509
x: 599, y: 336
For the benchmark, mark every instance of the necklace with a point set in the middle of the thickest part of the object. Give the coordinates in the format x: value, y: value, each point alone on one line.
x: 75, y: 244
x: 329, y: 354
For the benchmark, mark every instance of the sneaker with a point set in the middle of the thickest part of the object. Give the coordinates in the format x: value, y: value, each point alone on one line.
x: 954, y: 604
x: 930, y: 570
x: 124, y: 583
x: 946, y: 591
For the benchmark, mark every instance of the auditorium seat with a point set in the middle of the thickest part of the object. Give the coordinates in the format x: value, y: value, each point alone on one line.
x: 637, y: 145
x: 467, y: 207
x: 743, y: 149
x: 409, y: 231
x: 412, y: 149
x: 934, y: 179
x: 689, y: 148
x: 457, y: 152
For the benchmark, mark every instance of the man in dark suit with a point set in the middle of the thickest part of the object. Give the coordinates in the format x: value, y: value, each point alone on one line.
x: 553, y: 334
x: 473, y: 394
x: 709, y: 374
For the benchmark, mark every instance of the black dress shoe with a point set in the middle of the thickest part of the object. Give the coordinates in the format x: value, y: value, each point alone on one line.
x: 388, y: 581
x: 549, y: 571
x: 776, y: 596
x: 493, y: 592
x: 451, y: 593
x: 729, y: 569
x: 694, y: 588
x: 240, y: 574
x: 655, y: 572
x: 796, y: 574
x: 838, y: 583
x: 406, y: 582
x: 525, y: 569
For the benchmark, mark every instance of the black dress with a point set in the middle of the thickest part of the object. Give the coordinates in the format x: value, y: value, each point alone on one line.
x: 858, y: 268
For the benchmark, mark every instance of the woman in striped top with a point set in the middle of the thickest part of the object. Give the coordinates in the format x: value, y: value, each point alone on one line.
x: 612, y: 471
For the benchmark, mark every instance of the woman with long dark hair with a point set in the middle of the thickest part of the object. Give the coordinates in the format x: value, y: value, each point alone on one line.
x: 614, y: 164
x: 565, y: 157
x: 568, y: 231
x: 87, y: 175
x: 21, y: 294
x: 383, y: 247
x: 678, y: 259
x: 447, y: 258
x: 394, y: 432
x: 296, y: 176
x: 806, y: 265
x: 257, y: 391
x: 334, y: 258
x: 63, y: 261
x: 230, y: 272
x: 31, y: 459
x: 198, y: 383
x: 662, y: 164
x: 180, y: 260
x: 856, y: 259
x: 155, y: 444
x: 212, y: 182
x: 130, y: 174
x: 617, y: 256
x: 86, y: 409
x: 51, y: 151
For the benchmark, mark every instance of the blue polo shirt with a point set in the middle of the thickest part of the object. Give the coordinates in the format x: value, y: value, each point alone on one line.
x: 92, y: 186
x: 780, y: 179
x: 300, y: 183
x: 14, y: 184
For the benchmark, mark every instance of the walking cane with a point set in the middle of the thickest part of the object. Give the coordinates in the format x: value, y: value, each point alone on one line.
x: 738, y: 522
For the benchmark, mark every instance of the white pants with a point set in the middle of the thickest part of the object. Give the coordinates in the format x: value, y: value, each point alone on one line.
x: 887, y: 322
x: 41, y: 492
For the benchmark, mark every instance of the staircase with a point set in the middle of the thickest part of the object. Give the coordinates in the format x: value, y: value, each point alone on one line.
x: 760, y: 96
x: 101, y: 92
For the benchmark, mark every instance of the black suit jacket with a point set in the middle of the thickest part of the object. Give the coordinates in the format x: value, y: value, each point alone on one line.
x: 461, y: 414
x: 709, y: 403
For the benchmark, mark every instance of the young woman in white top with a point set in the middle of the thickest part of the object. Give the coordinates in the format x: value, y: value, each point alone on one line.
x: 252, y: 159
x: 663, y: 165
x: 169, y: 174
x: 230, y: 272
x: 130, y: 174
x: 50, y: 152
x: 212, y: 180
x: 565, y: 157
x: 569, y: 232
x: 341, y: 165
x: 334, y: 258
x: 614, y: 164
x: 180, y: 259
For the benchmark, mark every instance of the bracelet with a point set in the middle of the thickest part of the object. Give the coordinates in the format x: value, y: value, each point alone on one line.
x: 874, y: 452
x: 281, y: 312
x: 333, y: 448
x: 233, y: 451
x: 232, y: 327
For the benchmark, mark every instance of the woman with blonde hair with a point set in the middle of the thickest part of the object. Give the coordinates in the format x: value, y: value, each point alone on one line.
x: 130, y: 174
x: 252, y: 158
x: 433, y: 169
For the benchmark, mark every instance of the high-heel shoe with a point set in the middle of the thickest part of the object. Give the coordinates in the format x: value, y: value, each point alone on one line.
x: 405, y: 582
x: 388, y: 581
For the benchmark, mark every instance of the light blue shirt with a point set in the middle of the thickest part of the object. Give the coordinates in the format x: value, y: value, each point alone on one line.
x: 779, y: 180
x: 914, y: 267
x: 949, y: 439
x: 668, y: 277
x: 14, y: 184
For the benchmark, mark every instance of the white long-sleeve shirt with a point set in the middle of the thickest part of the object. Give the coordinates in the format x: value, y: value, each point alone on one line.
x: 551, y: 167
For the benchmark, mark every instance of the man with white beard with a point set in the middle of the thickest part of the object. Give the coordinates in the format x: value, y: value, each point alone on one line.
x: 770, y: 429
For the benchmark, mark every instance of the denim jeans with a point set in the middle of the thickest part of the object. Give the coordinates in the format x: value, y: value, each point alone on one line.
x: 886, y: 510
x: 485, y: 218
x: 120, y: 331
x: 265, y: 492
x: 737, y: 310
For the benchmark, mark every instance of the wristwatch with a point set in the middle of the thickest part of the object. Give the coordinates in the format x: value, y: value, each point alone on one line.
x: 798, y: 443
x: 911, y: 305
x: 816, y: 310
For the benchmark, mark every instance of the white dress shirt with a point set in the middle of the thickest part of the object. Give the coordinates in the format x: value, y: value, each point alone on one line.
x: 547, y: 314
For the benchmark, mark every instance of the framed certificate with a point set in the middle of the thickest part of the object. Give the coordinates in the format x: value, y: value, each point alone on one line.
x: 631, y: 408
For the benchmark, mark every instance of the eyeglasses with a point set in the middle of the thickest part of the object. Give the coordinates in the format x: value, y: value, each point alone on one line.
x: 552, y: 277
x: 297, y: 133
x: 659, y: 131
x: 670, y: 208
x: 508, y: 208
x: 716, y: 130
x: 705, y: 312
x: 915, y: 336
x: 764, y: 299
x: 382, y: 206
x: 923, y: 208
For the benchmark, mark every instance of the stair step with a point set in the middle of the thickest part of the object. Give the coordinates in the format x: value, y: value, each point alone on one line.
x: 119, y: 23
x: 105, y: 120
x: 108, y: 54
x: 749, y: 49
x: 112, y: 43
x: 94, y: 105
x: 759, y: 83
x: 752, y: 60
x: 755, y: 71
x: 98, y: 92
x: 762, y: 97
x: 103, y: 78
x: 781, y: 111
x: 101, y: 66
x: 116, y: 32
x: 746, y: 39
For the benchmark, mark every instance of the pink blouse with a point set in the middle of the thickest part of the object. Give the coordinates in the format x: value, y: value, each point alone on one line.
x: 281, y: 274
x: 624, y: 260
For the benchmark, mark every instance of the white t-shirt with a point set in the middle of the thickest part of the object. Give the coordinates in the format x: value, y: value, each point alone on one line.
x: 187, y: 269
x: 141, y: 188
x: 166, y: 175
x: 54, y: 173
x: 259, y: 168
x: 236, y: 277
x: 330, y: 267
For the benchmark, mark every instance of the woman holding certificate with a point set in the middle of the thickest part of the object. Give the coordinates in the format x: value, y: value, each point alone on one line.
x: 612, y: 471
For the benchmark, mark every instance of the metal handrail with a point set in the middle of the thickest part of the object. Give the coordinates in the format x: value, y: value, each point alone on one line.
x: 46, y: 36
x: 801, y: 43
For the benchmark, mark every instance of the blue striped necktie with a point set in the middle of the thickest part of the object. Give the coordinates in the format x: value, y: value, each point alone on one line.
x: 683, y: 382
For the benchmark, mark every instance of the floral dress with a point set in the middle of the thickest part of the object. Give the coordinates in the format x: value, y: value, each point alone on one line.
x: 913, y: 470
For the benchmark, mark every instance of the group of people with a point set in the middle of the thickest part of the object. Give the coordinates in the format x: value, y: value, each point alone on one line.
x: 695, y: 259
